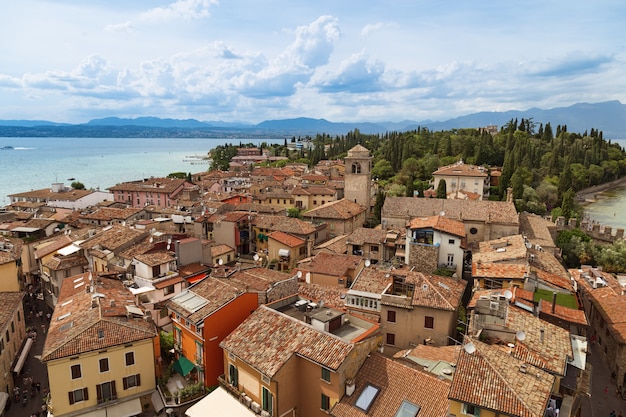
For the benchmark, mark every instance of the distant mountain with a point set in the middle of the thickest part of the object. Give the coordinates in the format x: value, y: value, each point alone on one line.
x: 147, y: 122
x: 30, y: 123
x: 305, y: 125
x: 609, y: 117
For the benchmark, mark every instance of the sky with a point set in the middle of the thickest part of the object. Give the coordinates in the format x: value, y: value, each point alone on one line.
x: 342, y: 60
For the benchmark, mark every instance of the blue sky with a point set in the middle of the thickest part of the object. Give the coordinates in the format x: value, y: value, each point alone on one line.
x: 251, y: 60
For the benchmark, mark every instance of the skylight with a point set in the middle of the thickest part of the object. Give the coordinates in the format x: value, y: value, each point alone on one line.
x: 367, y: 397
x: 408, y: 409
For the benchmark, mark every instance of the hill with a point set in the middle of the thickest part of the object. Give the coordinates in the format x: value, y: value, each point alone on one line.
x: 609, y: 117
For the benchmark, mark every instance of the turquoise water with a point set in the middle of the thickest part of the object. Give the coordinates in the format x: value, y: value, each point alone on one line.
x: 36, y: 163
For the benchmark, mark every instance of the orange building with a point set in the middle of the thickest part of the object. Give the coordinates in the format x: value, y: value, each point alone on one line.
x: 202, y: 316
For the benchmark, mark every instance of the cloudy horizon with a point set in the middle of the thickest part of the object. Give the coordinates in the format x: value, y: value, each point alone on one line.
x: 72, y: 61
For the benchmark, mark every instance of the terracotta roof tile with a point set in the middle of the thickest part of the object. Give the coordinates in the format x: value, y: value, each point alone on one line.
x: 440, y: 223
x: 81, y: 317
x: 397, y: 383
x: 340, y: 209
x: 215, y: 293
x: 461, y: 169
x: 267, y: 339
x: 490, y: 378
x: 332, y: 264
x: 362, y: 235
x: 287, y: 239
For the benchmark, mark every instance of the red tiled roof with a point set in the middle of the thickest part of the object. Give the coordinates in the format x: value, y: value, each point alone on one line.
x: 267, y: 339
x: 287, y: 239
x: 453, y: 227
x: 397, y: 383
x: 490, y: 378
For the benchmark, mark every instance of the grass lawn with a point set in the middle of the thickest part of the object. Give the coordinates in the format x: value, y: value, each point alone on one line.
x: 565, y: 300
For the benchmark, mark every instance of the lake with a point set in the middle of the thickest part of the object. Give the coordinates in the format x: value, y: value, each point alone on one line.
x: 36, y: 163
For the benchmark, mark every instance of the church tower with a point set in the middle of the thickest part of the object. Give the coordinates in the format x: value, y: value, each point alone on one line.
x: 358, y: 176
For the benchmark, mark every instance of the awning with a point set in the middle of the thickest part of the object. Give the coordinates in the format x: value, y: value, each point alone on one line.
x: 183, y: 366
x: 23, y: 356
x: 3, y: 401
x: 283, y: 253
x: 221, y: 403
x: 125, y: 409
x: 157, y: 402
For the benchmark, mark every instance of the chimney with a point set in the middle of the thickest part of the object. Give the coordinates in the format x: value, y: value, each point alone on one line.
x: 553, y: 302
x: 509, y: 195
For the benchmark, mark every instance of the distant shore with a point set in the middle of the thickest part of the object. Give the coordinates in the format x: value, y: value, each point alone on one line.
x: 592, y: 194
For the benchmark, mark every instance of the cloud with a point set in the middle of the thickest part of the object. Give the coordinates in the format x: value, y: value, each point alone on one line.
x: 180, y: 9
x: 126, y: 27
x: 313, y: 45
x: 572, y: 65
x: 367, y: 29
x: 355, y: 75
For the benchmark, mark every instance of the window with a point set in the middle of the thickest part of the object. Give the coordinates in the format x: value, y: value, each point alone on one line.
x: 374, y: 248
x: 407, y: 409
x: 391, y: 339
x: 325, y: 403
x: 7, y: 336
x: 429, y: 322
x: 391, y: 316
x: 76, y: 373
x: 130, y: 358
x: 423, y: 236
x: 367, y: 397
x: 78, y: 395
x: 104, y: 365
x: 451, y: 241
x: 233, y: 375
x: 168, y: 290
x: 12, y: 327
x: 131, y: 381
x: 473, y: 230
x: 470, y: 410
x: 106, y: 392
x: 268, y: 401
x: 326, y: 374
x: 450, y: 259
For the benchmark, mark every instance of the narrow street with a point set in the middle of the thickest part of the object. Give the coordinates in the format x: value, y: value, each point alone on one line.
x: 33, y: 371
x: 601, y: 405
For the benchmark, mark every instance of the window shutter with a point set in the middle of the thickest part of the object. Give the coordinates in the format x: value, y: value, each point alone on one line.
x: 113, y: 391
x: 85, y: 395
x: 71, y: 394
x: 125, y: 383
x: 99, y: 392
x: 138, y: 380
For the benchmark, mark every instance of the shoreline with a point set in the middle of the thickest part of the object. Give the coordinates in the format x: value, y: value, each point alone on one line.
x: 592, y: 194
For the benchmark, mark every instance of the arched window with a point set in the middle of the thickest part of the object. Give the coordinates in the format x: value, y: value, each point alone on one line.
x: 356, y: 168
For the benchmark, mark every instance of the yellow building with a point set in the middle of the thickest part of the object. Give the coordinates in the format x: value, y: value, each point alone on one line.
x: 279, y: 365
x: 10, y: 266
x: 100, y: 351
x: 12, y: 333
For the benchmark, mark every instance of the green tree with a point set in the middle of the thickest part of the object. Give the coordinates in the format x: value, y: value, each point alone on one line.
x: 294, y: 212
x: 177, y: 175
x: 383, y: 170
x: 567, y: 205
x: 442, y: 189
x: 77, y: 185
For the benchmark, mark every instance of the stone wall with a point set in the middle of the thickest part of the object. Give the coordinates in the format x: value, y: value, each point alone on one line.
x: 423, y: 257
x: 595, y: 230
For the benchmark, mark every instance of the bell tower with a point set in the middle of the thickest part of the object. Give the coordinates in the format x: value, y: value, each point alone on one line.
x: 358, y: 176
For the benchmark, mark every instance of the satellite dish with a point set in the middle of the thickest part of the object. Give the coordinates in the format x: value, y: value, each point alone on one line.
x: 220, y: 261
x: 520, y: 335
x: 168, y: 246
x: 442, y: 213
x: 255, y: 257
x: 367, y: 263
x: 508, y: 294
x: 469, y: 347
x: 299, y: 274
x: 151, y: 239
x: 169, y: 241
